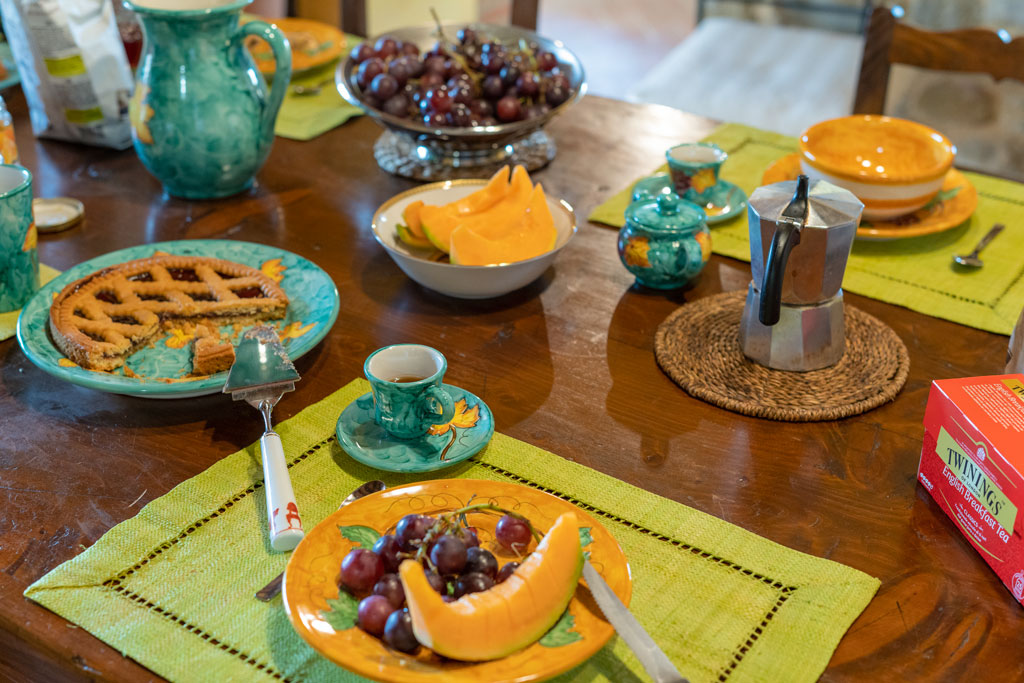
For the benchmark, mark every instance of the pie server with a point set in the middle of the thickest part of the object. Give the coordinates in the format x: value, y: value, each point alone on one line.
x: 260, y: 375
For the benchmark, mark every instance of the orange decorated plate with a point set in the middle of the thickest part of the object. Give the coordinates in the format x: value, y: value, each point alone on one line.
x: 313, y: 44
x: 324, y: 616
x: 953, y: 205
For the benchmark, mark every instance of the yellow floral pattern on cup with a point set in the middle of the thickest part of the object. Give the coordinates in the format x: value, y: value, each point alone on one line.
x: 31, y: 238
x: 139, y: 114
x: 636, y: 252
x: 703, y: 179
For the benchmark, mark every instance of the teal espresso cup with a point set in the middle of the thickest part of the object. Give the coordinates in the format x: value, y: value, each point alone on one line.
x: 19, y: 262
x: 694, y: 169
x: 407, y: 394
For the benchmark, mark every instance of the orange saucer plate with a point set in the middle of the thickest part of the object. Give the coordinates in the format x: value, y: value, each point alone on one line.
x: 323, y: 615
x: 953, y: 205
x: 313, y: 44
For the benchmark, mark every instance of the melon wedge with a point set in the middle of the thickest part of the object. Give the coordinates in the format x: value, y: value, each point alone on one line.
x: 508, y: 617
x: 533, y: 235
x: 411, y: 216
x: 406, y: 235
x: 439, y: 221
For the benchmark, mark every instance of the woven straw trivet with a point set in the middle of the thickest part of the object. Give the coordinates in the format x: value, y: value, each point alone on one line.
x: 698, y: 346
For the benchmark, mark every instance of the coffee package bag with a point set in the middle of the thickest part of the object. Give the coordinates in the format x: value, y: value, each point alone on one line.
x: 73, y: 68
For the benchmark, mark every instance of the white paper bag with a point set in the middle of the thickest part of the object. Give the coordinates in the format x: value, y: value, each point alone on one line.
x: 73, y: 68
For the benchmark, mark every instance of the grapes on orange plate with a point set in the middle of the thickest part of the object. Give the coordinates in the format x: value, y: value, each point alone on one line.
x: 360, y: 569
x: 373, y: 614
x: 513, y: 533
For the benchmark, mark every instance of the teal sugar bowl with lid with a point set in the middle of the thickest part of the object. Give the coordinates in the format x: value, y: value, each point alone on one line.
x: 665, y: 241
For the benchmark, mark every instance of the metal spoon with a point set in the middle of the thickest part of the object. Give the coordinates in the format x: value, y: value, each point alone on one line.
x: 311, y: 89
x: 270, y: 591
x: 971, y: 260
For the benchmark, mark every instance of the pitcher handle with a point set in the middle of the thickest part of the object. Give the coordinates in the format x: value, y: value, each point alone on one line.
x: 283, y: 69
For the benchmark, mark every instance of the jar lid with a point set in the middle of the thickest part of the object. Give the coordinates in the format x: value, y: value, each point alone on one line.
x: 668, y: 211
x: 56, y: 213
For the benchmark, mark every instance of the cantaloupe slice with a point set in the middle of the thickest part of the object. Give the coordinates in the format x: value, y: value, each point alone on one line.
x: 508, y: 617
x: 534, y: 234
x: 439, y: 222
x: 411, y: 216
x: 406, y: 235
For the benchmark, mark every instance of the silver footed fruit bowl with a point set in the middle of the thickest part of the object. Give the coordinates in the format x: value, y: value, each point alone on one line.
x: 425, y: 144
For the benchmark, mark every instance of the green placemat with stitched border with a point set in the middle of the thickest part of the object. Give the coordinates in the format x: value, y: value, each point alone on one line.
x: 172, y: 588
x: 918, y: 272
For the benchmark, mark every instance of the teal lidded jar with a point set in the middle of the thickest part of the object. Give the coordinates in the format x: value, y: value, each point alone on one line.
x: 665, y: 242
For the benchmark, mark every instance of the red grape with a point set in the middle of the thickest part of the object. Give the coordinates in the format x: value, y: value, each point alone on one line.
x: 390, y: 586
x: 556, y: 95
x: 373, y: 614
x: 368, y: 70
x: 435, y: 581
x: 481, y: 561
x: 493, y: 87
x: 493, y: 62
x: 412, y: 528
x: 362, y: 52
x: 466, y: 36
x: 436, y: 64
x: 383, y: 86
x: 387, y: 546
x: 506, y: 570
x: 448, y: 554
x: 460, y: 116
x: 469, y: 535
x: 397, y: 105
x: 509, y: 74
x: 360, y: 569
x: 440, y: 100
x: 386, y: 47
x: 398, y: 632
x: 513, y: 533
x: 546, y: 61
x: 528, y: 84
x: 508, y: 109
x: 472, y: 583
x: 409, y: 48
x: 430, y: 80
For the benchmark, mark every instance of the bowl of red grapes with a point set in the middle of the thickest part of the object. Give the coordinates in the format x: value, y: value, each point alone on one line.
x: 464, y: 87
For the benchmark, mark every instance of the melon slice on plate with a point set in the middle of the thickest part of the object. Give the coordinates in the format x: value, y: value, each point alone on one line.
x: 438, y: 221
x: 513, y: 614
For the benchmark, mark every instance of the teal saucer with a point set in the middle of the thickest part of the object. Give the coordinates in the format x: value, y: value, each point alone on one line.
x: 445, y: 445
x: 727, y: 199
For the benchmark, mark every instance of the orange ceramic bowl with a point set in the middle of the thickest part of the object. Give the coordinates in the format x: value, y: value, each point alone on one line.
x: 893, y: 165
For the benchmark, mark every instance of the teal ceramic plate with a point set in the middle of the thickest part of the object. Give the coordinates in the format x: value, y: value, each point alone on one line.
x: 727, y: 199
x: 157, y: 371
x: 443, y: 446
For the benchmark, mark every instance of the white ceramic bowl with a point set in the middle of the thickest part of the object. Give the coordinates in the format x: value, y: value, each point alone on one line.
x: 463, y: 282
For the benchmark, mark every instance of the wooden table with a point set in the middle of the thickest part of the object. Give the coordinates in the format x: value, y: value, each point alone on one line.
x: 566, y: 364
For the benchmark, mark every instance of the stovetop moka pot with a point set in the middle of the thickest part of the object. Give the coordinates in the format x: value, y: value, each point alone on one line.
x: 801, y: 234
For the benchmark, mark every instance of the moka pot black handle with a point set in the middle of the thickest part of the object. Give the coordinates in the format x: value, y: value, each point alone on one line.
x: 787, y: 236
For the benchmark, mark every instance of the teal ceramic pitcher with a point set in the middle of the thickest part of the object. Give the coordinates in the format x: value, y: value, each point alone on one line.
x: 202, y: 118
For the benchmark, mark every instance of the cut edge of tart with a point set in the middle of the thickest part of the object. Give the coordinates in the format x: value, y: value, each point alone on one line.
x: 210, y: 352
x: 101, y: 319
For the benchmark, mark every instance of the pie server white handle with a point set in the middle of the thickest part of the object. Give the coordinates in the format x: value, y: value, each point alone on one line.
x: 282, y: 512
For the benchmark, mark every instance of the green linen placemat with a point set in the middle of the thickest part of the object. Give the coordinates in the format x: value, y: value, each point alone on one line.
x: 917, y: 273
x: 173, y: 587
x: 303, y: 117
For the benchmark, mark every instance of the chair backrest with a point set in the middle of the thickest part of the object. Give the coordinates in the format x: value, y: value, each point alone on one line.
x: 889, y: 42
x: 353, y: 15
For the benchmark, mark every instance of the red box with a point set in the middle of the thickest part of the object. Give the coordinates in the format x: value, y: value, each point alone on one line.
x: 971, y: 463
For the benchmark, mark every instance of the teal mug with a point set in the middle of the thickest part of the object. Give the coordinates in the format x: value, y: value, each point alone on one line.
x: 19, y: 261
x: 407, y: 394
x: 694, y: 168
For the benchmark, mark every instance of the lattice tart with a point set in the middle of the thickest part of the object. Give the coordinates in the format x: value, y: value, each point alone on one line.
x: 103, y: 318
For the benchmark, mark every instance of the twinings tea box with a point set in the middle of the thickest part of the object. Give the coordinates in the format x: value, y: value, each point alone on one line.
x: 971, y: 463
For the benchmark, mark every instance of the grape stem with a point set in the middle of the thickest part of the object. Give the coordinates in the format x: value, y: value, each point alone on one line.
x: 453, y: 50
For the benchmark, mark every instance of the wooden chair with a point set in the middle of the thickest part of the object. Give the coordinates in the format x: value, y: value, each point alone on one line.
x: 353, y: 15
x: 889, y: 42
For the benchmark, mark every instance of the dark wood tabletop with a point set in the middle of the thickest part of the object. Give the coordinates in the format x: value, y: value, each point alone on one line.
x: 566, y: 364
